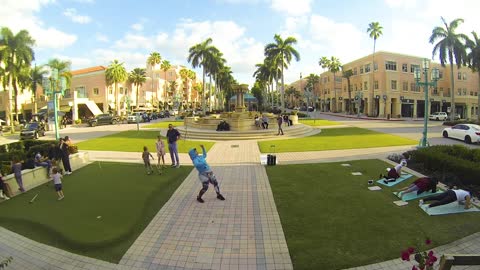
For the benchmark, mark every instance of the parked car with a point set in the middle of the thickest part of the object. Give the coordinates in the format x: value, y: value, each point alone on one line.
x: 439, y: 116
x: 132, y: 118
x: 103, y: 119
x: 32, y: 130
x: 469, y: 133
x: 456, y: 117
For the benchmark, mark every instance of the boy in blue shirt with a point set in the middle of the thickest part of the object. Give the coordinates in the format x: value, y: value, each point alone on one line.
x: 205, y: 174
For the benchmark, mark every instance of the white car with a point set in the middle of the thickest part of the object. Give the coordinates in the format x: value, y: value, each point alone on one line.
x: 469, y: 133
x: 439, y: 116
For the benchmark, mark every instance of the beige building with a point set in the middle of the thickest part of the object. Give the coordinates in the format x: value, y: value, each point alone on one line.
x: 90, y: 95
x: 394, y: 92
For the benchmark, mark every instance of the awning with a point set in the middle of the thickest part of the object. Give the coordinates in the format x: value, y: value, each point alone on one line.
x: 65, y: 108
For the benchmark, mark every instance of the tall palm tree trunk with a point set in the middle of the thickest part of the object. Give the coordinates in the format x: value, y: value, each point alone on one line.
x: 478, y: 103
x: 203, y: 92
x: 117, y: 104
x: 371, y: 109
x: 452, y: 106
x: 282, y: 90
x: 137, y: 96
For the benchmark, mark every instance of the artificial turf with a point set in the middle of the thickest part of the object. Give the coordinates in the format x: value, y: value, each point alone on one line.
x: 106, y: 206
x: 336, y: 139
x: 133, y: 141
x: 332, y: 221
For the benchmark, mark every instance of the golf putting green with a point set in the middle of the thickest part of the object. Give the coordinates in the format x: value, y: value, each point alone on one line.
x: 106, y: 206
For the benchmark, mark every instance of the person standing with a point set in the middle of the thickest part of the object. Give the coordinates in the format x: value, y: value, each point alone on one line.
x: 160, y: 151
x: 173, y: 136
x: 57, y: 181
x: 279, y: 122
x: 65, y: 154
x: 17, y: 171
x: 3, y: 189
x: 146, y: 160
x: 205, y: 174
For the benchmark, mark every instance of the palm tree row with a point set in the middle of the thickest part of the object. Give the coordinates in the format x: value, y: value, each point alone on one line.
x: 278, y: 56
x: 213, y: 65
x: 16, y: 71
x: 333, y: 65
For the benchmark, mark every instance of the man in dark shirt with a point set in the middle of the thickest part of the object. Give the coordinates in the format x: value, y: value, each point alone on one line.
x: 172, y: 136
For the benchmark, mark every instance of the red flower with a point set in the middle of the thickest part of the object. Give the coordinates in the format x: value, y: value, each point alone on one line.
x: 411, y: 250
x: 430, y: 253
x: 405, y: 255
x: 428, y: 241
x: 414, y: 268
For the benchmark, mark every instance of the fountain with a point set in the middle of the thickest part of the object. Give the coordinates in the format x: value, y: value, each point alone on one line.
x: 239, y: 120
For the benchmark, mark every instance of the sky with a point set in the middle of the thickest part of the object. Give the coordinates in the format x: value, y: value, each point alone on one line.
x: 95, y: 32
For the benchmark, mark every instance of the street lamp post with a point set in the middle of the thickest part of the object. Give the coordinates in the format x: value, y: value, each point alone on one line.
x: 425, y: 84
x: 53, y: 86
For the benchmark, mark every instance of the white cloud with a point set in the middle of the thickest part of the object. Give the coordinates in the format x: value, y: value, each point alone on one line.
x: 137, y: 26
x: 21, y: 14
x: 77, y: 62
x: 401, y: 3
x: 292, y: 8
x: 101, y: 37
x: 72, y: 14
x: 131, y: 59
x: 135, y: 41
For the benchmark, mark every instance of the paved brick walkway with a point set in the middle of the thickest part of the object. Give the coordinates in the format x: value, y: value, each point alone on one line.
x: 243, y: 232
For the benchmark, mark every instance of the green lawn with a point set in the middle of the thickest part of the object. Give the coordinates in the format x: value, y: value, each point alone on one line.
x: 318, y: 122
x: 332, y: 221
x: 133, y: 141
x: 164, y: 124
x: 335, y: 139
x: 123, y: 196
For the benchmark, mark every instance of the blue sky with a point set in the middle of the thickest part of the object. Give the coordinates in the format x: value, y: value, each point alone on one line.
x: 95, y: 32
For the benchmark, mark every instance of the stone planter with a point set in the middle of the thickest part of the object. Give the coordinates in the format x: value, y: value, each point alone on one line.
x: 293, y: 118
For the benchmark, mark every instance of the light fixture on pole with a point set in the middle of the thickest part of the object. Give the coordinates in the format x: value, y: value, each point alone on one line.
x: 434, y: 78
x: 53, y: 86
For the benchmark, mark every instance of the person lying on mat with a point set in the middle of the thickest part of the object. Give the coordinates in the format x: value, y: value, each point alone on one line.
x: 420, y: 185
x: 394, y: 173
x: 463, y: 197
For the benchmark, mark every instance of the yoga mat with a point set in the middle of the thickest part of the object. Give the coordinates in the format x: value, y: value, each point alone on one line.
x: 402, y: 178
x: 413, y: 195
x: 451, y: 208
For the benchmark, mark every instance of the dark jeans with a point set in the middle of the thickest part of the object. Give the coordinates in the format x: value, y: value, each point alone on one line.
x: 447, y: 197
x: 66, y: 163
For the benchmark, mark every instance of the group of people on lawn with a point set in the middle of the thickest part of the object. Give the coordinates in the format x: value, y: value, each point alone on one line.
x: 205, y: 173
x: 428, y: 184
x: 56, y: 152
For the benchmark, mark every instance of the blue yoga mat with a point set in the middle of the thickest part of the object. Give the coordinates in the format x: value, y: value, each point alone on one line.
x: 402, y: 178
x: 451, y: 208
x: 413, y: 195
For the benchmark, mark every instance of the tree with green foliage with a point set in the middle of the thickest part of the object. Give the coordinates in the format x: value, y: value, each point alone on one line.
x: 199, y: 55
x: 375, y: 31
x: 333, y: 65
x: 473, y: 61
x: 16, y: 55
x: 154, y: 59
x: 282, y: 52
x: 450, y: 47
x: 165, y: 66
x: 137, y: 77
x: 347, y: 74
x: 116, y: 73
x: 37, y: 74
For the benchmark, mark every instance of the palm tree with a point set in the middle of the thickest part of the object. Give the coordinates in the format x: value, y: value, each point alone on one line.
x: 283, y: 50
x: 137, y: 77
x: 154, y: 59
x: 165, y: 66
x: 312, y: 81
x: 116, y: 73
x: 375, y: 31
x: 16, y: 54
x: 263, y: 75
x: 37, y: 75
x: 63, y: 68
x: 450, y: 44
x: 473, y: 60
x: 333, y: 65
x: 347, y: 74
x: 199, y: 55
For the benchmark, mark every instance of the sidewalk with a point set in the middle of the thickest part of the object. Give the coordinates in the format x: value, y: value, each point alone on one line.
x: 242, y: 232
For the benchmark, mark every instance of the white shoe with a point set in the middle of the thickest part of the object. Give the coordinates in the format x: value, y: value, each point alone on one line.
x: 68, y: 173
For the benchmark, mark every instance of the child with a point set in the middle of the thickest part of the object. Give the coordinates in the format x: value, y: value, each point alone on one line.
x: 57, y: 181
x: 394, y: 173
x: 160, y: 152
x: 3, y: 189
x: 205, y: 174
x: 420, y: 185
x: 17, y: 171
x: 146, y: 160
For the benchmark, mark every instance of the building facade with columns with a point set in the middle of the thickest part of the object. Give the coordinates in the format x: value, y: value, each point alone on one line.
x: 394, y: 92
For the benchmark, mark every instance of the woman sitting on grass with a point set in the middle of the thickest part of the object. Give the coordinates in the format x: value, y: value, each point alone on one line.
x: 420, y: 185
